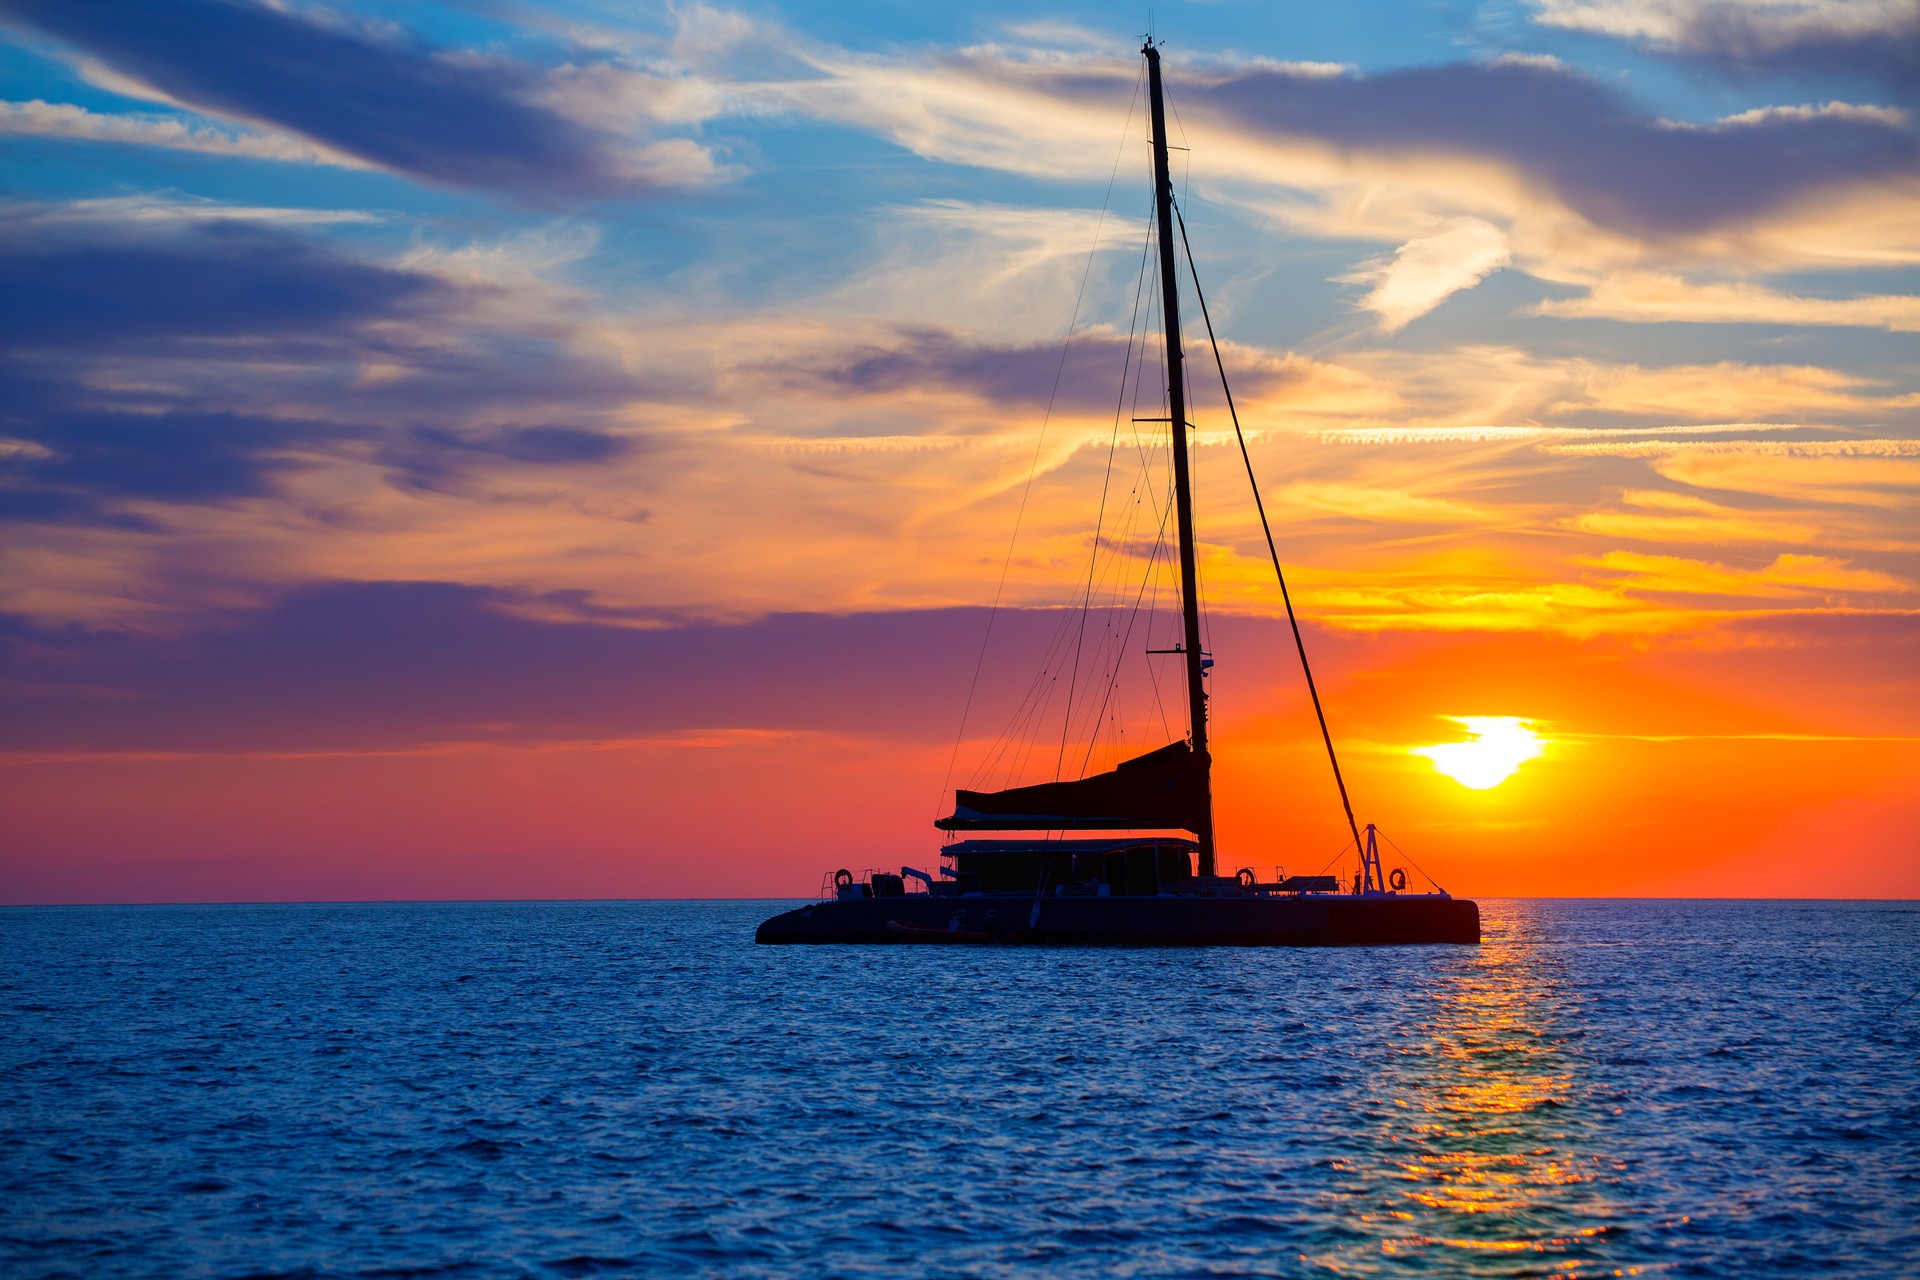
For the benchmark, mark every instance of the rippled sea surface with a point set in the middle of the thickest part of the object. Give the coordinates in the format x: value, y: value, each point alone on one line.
x: 572, y: 1089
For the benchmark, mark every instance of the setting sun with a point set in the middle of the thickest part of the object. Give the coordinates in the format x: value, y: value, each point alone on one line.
x: 1499, y: 745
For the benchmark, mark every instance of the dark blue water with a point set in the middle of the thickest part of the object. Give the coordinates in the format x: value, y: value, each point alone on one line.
x: 570, y: 1089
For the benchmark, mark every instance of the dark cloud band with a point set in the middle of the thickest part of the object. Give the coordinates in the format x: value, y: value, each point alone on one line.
x: 457, y: 119
x: 1584, y: 140
x: 248, y: 339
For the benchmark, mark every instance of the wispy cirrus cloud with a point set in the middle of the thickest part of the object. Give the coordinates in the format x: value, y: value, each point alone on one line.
x: 1665, y: 298
x: 1465, y: 167
x: 164, y: 362
x: 1547, y: 128
x: 1426, y: 271
x: 382, y: 97
x: 1787, y: 576
x: 40, y: 119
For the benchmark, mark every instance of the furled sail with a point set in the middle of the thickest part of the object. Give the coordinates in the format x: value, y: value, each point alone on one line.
x: 1166, y: 788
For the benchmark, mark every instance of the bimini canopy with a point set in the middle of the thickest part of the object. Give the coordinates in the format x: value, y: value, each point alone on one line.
x: 1164, y: 789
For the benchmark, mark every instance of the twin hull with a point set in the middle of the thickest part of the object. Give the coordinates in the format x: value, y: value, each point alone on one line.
x: 1330, y: 920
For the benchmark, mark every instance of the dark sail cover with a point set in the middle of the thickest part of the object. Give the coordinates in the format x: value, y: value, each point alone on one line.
x: 1162, y: 789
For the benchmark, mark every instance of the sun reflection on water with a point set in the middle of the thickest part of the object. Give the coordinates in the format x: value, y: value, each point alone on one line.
x: 1482, y: 1134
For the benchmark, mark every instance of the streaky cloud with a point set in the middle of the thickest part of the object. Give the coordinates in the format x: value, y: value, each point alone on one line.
x: 1878, y: 39
x: 153, y: 361
x: 95, y: 287
x: 455, y: 118
x: 1584, y: 140
x: 41, y: 119
x: 1652, y: 297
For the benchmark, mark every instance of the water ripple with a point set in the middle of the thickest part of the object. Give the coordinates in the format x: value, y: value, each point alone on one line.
x: 609, y: 1089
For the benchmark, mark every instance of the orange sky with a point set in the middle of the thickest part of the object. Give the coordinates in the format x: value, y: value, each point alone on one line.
x: 1713, y: 769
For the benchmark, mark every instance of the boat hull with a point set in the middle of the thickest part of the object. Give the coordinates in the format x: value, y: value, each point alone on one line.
x: 1332, y: 920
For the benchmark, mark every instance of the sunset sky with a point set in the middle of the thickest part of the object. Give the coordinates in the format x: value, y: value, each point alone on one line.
x: 569, y: 449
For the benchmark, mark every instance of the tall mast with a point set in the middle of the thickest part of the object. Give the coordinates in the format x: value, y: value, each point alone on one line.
x: 1182, y: 483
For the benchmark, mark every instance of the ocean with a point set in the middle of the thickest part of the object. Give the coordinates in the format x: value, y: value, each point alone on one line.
x: 634, y: 1088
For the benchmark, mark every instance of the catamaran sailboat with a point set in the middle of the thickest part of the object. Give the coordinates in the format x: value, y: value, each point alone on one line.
x: 1137, y: 884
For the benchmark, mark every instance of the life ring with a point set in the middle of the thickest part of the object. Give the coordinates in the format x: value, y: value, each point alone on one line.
x: 1398, y: 879
x: 842, y: 878
x: 1246, y: 877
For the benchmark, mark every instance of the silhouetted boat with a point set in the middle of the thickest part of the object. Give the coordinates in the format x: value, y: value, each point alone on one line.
x: 1140, y: 889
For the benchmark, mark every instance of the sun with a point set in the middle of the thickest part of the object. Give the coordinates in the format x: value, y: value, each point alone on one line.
x: 1499, y: 745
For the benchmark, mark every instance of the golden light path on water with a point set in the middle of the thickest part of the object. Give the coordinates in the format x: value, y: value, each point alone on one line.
x: 1494, y: 751
x: 1480, y: 1146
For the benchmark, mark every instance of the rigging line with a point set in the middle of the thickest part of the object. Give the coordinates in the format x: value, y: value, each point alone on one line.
x: 1034, y: 724
x: 1100, y: 573
x: 1409, y: 857
x: 1012, y: 734
x: 1193, y: 478
x: 1034, y: 465
x: 1005, y: 739
x: 1147, y: 454
x: 1118, y: 643
x: 1337, y: 856
x: 1131, y: 618
x: 1165, y: 370
x: 1112, y: 651
x: 1099, y: 524
x: 1019, y: 732
x: 1186, y: 148
x: 1148, y: 482
x: 1153, y: 615
x: 1292, y: 621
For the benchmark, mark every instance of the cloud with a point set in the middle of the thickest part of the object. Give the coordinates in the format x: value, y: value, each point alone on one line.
x: 87, y: 456
x: 1789, y: 576
x: 1729, y: 25
x: 1578, y: 138
x: 927, y: 358
x: 445, y: 116
x: 41, y: 119
x: 1876, y: 38
x: 1083, y: 377
x: 1842, y: 110
x: 1565, y: 135
x: 1650, y: 297
x: 1690, y: 520
x: 1717, y: 390
x: 155, y: 211
x: 183, y: 356
x: 1010, y: 271
x: 1769, y: 448
x: 437, y: 458
x: 85, y: 286
x: 1859, y: 477
x: 1577, y: 175
x: 453, y: 414
x: 84, y: 292
x: 1425, y: 272
x: 385, y: 665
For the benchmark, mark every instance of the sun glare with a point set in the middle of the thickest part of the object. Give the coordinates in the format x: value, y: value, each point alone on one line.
x: 1499, y: 745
